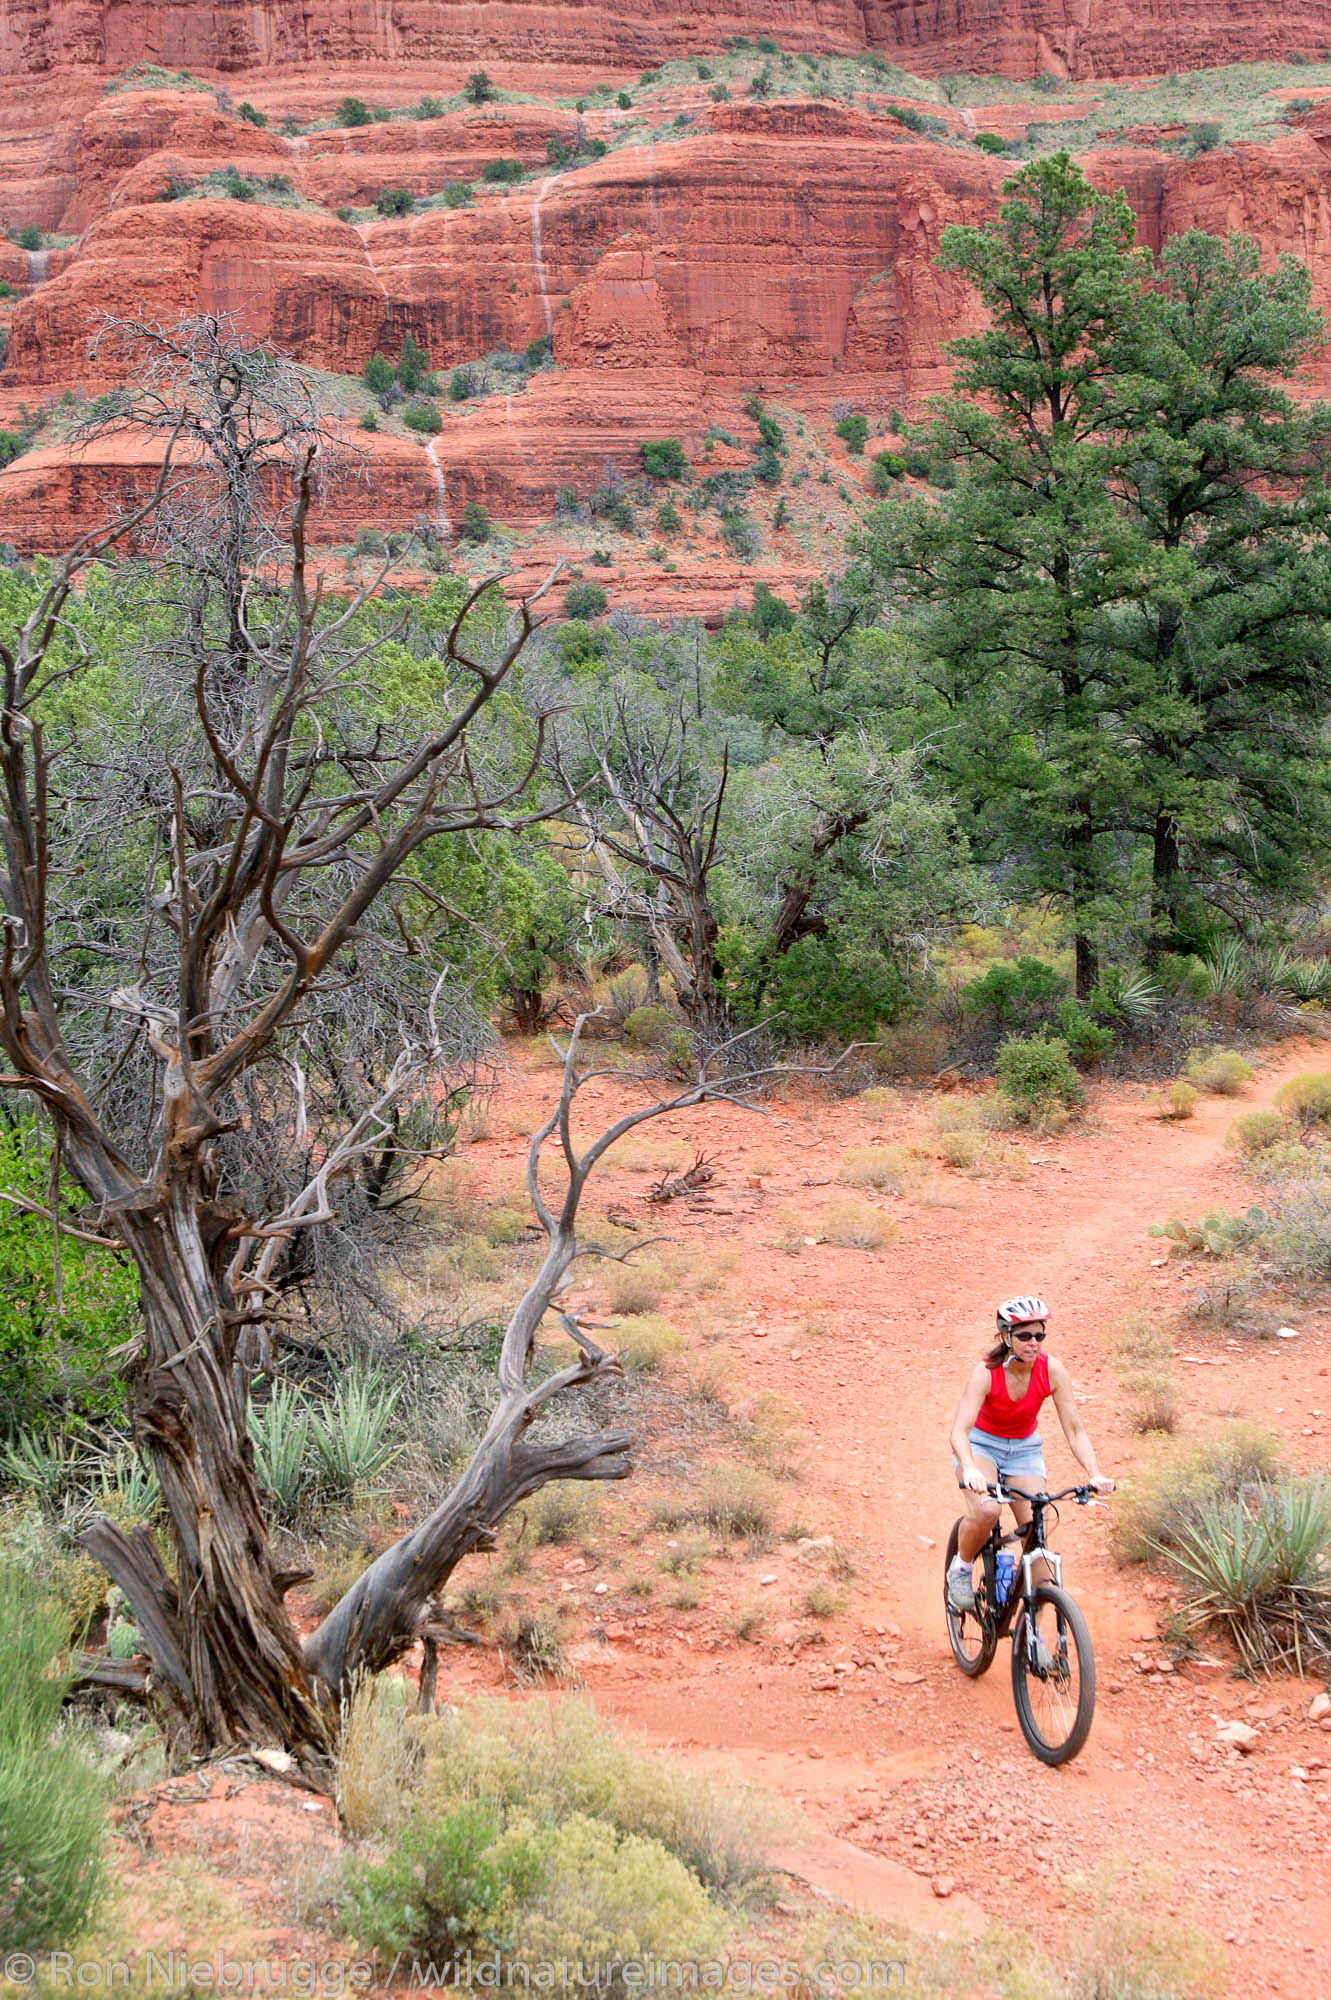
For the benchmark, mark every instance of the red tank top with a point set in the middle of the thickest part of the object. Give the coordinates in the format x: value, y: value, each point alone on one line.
x: 1000, y: 1416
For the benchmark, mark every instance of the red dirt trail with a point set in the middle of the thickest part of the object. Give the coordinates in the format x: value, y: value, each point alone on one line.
x: 910, y: 1775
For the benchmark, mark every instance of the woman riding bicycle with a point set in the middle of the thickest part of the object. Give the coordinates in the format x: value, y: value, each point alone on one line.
x: 995, y: 1432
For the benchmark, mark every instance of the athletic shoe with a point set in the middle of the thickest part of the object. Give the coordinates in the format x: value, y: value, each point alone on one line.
x: 960, y: 1590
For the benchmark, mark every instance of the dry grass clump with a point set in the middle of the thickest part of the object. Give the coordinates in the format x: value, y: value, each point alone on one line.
x: 1151, y: 1513
x: 878, y: 1105
x: 880, y: 1167
x: 378, y: 1761
x: 1178, y: 1100
x: 636, y: 1287
x: 823, y: 1600
x: 1148, y: 1379
x: 533, y: 1649
x: 699, y: 1273
x: 853, y: 1226
x: 777, y: 1440
x: 686, y: 1555
x: 557, y: 1514
x: 914, y: 1048
x: 645, y: 1341
x: 1255, y: 1132
x: 640, y: 1152
x: 734, y: 1501
x: 956, y: 1114
x: 1222, y: 1071
x: 1306, y: 1099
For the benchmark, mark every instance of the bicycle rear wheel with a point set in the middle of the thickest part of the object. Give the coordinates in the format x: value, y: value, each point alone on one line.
x: 973, y: 1635
x: 1055, y: 1689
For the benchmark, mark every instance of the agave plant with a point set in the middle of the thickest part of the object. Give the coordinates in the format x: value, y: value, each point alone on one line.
x: 1139, y: 996
x: 350, y: 1436
x: 280, y: 1433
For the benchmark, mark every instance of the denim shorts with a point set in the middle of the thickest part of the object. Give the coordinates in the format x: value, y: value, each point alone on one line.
x: 1017, y: 1456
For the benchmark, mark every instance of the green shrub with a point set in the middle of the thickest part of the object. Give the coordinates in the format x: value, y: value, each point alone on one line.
x: 55, y: 1339
x: 647, y: 1026
x: 1306, y: 1099
x: 991, y: 142
x: 29, y: 237
x: 663, y: 458
x: 1014, y: 991
x: 395, y: 201
x: 354, y: 111
x: 550, y: 1762
x: 51, y: 1872
x: 593, y: 1892
x: 584, y: 600
x: 537, y: 352
x: 429, y: 107
x: 423, y: 417
x: 438, y: 1891
x: 502, y: 169
x: 624, y: 101
x: 668, y: 518
x: 1299, y: 1236
x: 457, y: 194
x: 251, y: 116
x: 1255, y: 1132
x: 719, y: 94
x: 887, y: 468
x: 769, y: 613
x: 853, y: 430
x: 1089, y: 1041
x: 478, y: 88
x: 1220, y: 1070
x: 476, y: 523
x: 1035, y: 1075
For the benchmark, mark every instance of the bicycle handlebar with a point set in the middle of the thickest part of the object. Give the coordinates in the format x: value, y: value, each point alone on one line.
x: 1083, y: 1495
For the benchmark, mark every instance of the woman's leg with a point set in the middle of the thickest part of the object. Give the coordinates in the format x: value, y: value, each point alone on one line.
x: 982, y: 1510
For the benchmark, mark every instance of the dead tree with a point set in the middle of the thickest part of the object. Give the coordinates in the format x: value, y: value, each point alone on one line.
x: 381, y: 1613
x: 192, y: 891
x: 651, y: 810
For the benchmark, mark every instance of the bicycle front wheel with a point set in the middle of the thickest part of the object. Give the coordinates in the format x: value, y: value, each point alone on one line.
x: 973, y: 1635
x: 1053, y: 1680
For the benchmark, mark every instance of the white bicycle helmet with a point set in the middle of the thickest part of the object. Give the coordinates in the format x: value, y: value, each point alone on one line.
x: 1021, y: 1311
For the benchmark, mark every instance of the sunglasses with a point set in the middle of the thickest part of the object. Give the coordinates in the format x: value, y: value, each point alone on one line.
x: 1026, y: 1333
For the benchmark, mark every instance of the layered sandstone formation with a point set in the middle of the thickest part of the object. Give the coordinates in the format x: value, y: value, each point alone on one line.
x: 785, y: 247
x: 1017, y: 38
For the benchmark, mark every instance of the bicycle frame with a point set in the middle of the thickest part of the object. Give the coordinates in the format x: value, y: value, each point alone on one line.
x: 1034, y: 1548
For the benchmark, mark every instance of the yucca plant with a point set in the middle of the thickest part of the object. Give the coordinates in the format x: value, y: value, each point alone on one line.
x: 129, y: 1489
x: 280, y: 1432
x: 1228, y: 971
x: 1257, y: 1565
x: 1309, y: 979
x: 47, y: 1464
x: 350, y: 1435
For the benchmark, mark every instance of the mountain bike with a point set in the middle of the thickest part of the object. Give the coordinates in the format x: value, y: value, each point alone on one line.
x: 1053, y: 1667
